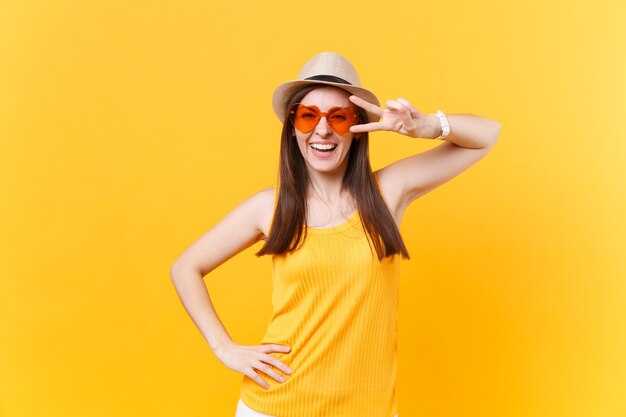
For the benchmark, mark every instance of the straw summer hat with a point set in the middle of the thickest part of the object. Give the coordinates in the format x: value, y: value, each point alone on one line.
x: 327, y: 68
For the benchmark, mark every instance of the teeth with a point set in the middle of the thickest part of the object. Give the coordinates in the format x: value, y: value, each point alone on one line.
x: 323, y: 146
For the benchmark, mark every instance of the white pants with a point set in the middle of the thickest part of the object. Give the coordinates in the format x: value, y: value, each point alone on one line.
x: 244, y: 411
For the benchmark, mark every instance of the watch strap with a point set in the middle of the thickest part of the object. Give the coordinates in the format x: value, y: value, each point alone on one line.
x: 445, y: 125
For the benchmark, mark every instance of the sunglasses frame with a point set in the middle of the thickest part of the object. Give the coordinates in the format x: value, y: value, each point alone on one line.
x: 320, y: 114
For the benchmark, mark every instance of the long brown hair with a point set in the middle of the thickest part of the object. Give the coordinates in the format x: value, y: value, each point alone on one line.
x: 288, y: 229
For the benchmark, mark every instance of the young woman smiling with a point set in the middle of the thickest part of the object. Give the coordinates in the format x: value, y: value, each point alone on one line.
x: 331, y: 225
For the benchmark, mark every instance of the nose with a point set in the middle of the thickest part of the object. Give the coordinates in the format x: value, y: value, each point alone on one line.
x: 323, y: 128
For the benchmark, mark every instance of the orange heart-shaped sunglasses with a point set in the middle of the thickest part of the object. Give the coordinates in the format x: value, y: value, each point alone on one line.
x: 305, y: 118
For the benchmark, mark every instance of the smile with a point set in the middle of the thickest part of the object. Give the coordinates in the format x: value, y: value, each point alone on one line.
x: 323, y: 150
x: 324, y: 147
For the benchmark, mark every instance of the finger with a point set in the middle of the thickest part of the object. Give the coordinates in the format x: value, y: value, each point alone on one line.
x: 250, y: 373
x: 404, y: 113
x: 406, y: 103
x: 407, y: 121
x: 266, y: 348
x: 282, y: 348
x: 367, y: 127
x: 278, y: 364
x: 270, y: 372
x: 395, y: 105
x: 370, y: 107
x: 414, y: 111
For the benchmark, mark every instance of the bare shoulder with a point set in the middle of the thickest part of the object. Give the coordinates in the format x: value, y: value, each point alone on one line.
x: 266, y: 200
x: 261, y: 207
x: 240, y: 228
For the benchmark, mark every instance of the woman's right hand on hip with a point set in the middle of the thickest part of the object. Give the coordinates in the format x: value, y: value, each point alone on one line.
x: 245, y: 359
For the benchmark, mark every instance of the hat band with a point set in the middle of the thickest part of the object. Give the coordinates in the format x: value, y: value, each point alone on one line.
x: 330, y: 78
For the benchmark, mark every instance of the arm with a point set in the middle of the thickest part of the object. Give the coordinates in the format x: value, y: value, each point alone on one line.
x: 240, y: 229
x: 466, y: 130
x: 470, y: 139
x: 237, y: 231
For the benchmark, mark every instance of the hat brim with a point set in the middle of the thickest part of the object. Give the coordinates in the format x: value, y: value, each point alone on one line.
x: 285, y: 91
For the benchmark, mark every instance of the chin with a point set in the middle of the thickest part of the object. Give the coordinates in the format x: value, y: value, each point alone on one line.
x: 323, y: 166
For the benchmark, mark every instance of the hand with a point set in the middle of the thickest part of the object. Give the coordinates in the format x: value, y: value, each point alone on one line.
x: 245, y: 359
x: 400, y: 117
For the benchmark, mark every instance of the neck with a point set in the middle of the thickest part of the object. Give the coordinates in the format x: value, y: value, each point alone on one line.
x: 326, y: 186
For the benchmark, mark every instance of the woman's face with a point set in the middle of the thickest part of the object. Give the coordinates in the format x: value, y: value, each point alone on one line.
x: 322, y: 135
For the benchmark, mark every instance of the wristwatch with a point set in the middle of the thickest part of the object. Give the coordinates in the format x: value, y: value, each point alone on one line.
x: 445, y: 125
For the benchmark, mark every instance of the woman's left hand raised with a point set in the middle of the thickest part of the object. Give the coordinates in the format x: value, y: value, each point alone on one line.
x: 400, y: 116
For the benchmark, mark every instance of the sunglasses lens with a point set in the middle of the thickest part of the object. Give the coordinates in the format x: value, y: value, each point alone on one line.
x: 341, y: 119
x: 304, y: 118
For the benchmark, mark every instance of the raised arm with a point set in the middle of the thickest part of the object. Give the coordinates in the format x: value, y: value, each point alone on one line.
x: 471, y: 138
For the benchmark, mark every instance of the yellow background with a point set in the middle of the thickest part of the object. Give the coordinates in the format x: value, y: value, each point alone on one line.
x: 128, y: 129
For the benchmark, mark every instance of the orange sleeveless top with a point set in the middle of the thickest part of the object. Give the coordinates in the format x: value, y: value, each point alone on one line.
x: 336, y: 305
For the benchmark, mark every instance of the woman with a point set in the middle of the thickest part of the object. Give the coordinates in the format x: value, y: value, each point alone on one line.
x: 332, y: 228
